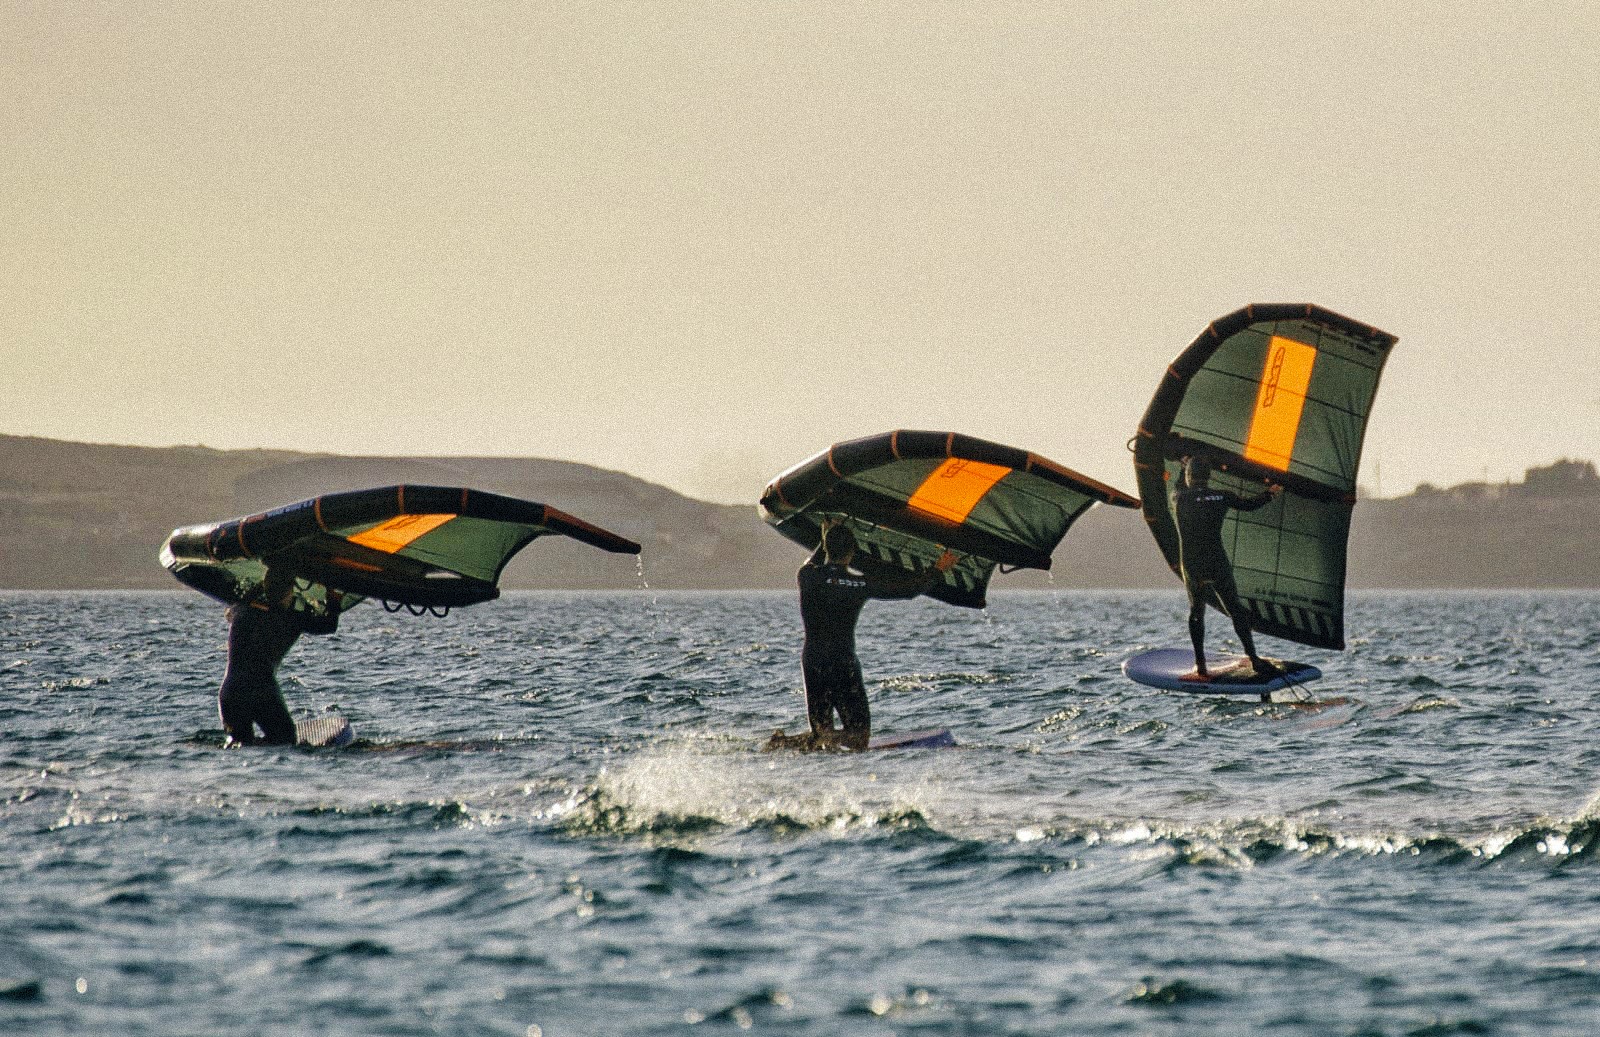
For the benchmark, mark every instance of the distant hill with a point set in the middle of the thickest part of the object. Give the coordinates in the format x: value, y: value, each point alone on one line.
x: 1541, y: 532
x: 75, y: 515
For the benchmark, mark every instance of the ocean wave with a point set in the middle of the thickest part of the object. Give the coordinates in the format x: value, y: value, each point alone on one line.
x: 1151, y: 991
x: 682, y: 794
x: 1430, y: 702
x: 684, y: 791
x: 1248, y: 843
x: 599, y: 812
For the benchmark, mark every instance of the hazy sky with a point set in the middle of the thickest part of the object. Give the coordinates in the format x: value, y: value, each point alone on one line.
x: 701, y: 241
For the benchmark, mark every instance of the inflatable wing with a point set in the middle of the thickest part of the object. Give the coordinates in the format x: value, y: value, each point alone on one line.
x: 422, y: 546
x: 908, y: 495
x: 1271, y: 392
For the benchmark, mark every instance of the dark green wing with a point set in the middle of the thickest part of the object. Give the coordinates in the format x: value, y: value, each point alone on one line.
x: 1279, y: 392
x: 909, y: 495
x: 424, y: 546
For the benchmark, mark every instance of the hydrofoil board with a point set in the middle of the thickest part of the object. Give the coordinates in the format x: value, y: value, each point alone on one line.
x: 1172, y: 669
x: 328, y: 731
x: 933, y: 738
x: 930, y: 739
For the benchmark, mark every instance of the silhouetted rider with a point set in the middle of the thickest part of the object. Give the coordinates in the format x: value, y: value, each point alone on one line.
x: 1204, y: 562
x: 831, y: 598
x: 260, y: 633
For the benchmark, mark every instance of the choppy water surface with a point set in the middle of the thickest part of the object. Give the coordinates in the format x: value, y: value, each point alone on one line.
x: 557, y: 823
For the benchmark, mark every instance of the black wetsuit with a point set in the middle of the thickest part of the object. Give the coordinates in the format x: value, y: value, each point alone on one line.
x: 258, y: 639
x: 831, y: 597
x: 1204, y: 561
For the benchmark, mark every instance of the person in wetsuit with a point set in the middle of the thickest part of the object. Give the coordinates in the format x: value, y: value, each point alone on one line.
x: 1204, y: 562
x: 831, y: 598
x: 260, y: 633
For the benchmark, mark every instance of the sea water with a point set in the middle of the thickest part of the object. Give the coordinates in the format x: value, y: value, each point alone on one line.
x: 557, y: 822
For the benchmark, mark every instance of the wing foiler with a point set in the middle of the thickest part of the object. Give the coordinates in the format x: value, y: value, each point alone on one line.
x: 426, y: 547
x: 1278, y: 392
x: 909, y: 495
